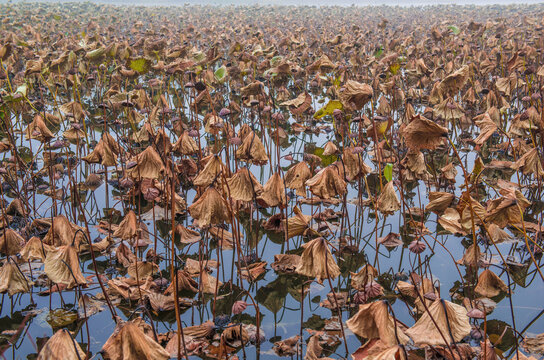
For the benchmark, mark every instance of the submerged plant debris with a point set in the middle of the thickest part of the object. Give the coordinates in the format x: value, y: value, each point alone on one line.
x: 263, y: 182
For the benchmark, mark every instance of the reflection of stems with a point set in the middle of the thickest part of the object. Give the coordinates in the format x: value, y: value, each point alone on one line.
x: 106, y: 296
x: 257, y: 319
x: 335, y: 300
x: 173, y: 272
x: 525, y: 237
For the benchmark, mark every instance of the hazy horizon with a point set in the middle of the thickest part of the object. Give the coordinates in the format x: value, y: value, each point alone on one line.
x: 295, y: 2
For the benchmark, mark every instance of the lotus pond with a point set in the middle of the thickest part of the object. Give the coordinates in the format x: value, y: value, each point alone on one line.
x: 261, y: 182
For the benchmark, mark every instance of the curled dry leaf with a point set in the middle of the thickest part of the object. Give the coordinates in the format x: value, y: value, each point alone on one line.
x: 62, y: 266
x: 373, y: 321
x: 298, y: 224
x: 273, y: 193
x: 355, y: 95
x: 317, y: 261
x: 243, y: 186
x: 252, y: 150
x: 11, y: 242
x: 446, y: 315
x: 296, y: 177
x: 423, y: 133
x: 61, y: 346
x: 388, y: 202
x: 286, y: 263
x: 327, y: 183
x: 128, y: 341
x: 13, y: 280
x: 287, y: 347
x: 439, y: 201
x: 489, y: 284
x: 209, y: 209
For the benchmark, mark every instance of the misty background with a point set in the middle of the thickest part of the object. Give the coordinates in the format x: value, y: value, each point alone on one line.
x: 296, y: 2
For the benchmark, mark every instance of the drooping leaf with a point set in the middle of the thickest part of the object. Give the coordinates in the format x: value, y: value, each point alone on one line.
x: 328, y: 109
x: 141, y: 65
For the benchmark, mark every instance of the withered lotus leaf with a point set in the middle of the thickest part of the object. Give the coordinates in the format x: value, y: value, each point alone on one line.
x: 160, y: 302
x: 184, y: 282
x: 487, y: 128
x: 313, y: 349
x: 187, y: 236
x: 448, y: 110
x: 323, y: 64
x: 422, y: 133
x: 287, y: 347
x: 102, y: 153
x: 529, y: 163
x: 376, y: 350
x: 16, y: 207
x: 388, y: 202
x: 209, y: 283
x: 128, y: 228
x: 11, y: 242
x: 129, y: 342
x: 210, y: 171
x: 446, y: 315
x: 439, y: 201
x: 185, y: 145
x: 273, y: 193
x: 497, y: 234
x: 13, y: 280
x: 93, y: 181
x: 534, y: 344
x: 355, y: 95
x: 296, y: 177
x: 148, y: 165
x: 124, y: 255
x: 38, y: 130
x: 298, y: 224
x: 34, y: 249
x: 209, y: 209
x: 451, y: 221
x: 354, y: 164
x: 252, y: 150
x: 471, y: 257
x: 373, y: 321
x: 142, y: 269
x: 415, y: 167
x: 449, y: 172
x: 243, y: 186
x: 327, y: 183
x: 300, y: 104
x: 391, y: 240
x: 286, y: 263
x: 74, y: 109
x: 224, y: 237
x: 363, y: 277
x: 233, y: 333
x: 317, y: 261
x: 489, y: 284
x: 253, y: 271
x: 61, y: 346
x: 204, y: 330
x: 62, y: 266
x: 63, y: 232
x: 507, y: 210
x: 330, y: 149
x: 451, y: 84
